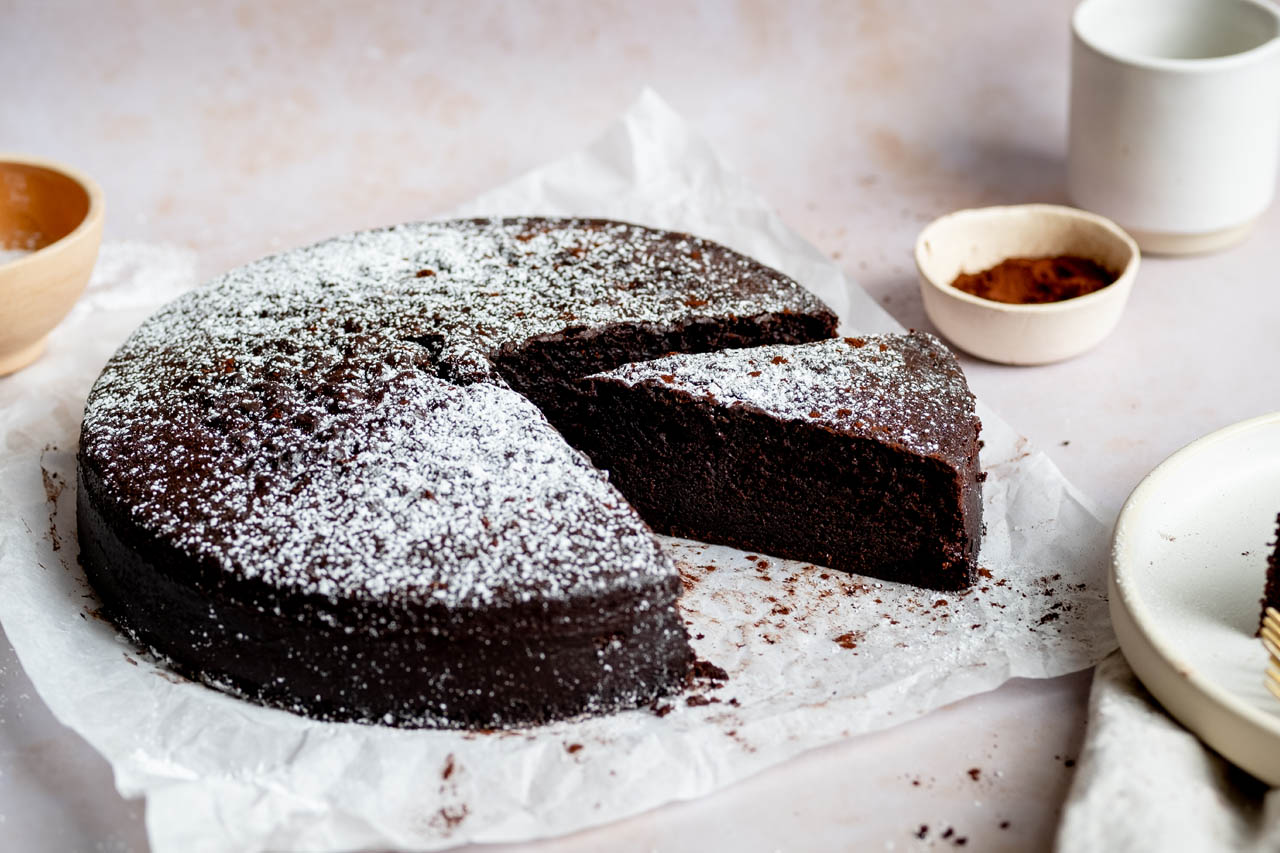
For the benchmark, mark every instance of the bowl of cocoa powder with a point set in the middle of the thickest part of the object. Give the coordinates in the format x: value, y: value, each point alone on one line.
x: 1025, y: 284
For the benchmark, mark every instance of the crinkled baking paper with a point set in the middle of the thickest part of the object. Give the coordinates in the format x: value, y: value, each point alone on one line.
x: 813, y: 655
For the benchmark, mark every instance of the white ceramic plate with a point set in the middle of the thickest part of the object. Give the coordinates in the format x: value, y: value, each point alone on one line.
x: 1188, y: 564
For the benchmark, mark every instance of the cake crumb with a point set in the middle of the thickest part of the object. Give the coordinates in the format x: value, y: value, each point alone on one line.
x: 660, y: 709
x: 452, y: 816
x: 849, y: 640
x: 702, y: 670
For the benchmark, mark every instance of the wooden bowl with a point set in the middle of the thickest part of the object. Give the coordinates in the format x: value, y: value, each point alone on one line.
x: 56, y: 213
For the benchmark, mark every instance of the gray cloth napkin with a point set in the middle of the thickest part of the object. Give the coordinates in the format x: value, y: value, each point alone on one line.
x: 1145, y: 783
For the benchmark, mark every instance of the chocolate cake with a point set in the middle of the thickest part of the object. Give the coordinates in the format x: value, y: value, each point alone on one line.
x: 1271, y: 592
x: 857, y: 453
x: 320, y: 482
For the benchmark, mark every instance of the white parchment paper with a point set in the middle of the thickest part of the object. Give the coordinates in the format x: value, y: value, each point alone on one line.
x: 813, y: 655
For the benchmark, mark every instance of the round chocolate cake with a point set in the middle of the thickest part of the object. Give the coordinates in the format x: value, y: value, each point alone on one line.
x: 337, y: 480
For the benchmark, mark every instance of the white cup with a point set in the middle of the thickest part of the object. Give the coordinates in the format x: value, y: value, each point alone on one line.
x: 1175, y: 118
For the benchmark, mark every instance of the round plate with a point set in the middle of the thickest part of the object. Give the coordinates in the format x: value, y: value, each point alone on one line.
x: 1188, y: 564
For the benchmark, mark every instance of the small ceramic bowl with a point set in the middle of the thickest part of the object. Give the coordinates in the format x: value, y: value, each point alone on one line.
x: 56, y: 213
x: 970, y: 241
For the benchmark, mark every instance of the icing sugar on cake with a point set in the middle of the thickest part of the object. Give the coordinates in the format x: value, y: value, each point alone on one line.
x: 328, y: 439
x: 902, y: 389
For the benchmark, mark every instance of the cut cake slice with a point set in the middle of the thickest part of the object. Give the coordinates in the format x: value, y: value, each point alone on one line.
x: 860, y: 454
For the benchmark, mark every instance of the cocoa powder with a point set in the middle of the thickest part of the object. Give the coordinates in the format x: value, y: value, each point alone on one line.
x: 1035, y: 281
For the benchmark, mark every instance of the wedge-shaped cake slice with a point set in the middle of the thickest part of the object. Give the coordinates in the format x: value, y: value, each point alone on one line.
x: 856, y: 453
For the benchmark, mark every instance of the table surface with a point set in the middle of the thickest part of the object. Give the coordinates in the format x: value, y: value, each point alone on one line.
x: 240, y: 130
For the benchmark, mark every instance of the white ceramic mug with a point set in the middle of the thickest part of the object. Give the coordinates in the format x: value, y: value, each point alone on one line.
x: 1175, y: 118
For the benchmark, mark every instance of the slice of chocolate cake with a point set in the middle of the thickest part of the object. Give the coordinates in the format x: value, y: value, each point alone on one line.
x: 858, y: 453
x: 1271, y: 592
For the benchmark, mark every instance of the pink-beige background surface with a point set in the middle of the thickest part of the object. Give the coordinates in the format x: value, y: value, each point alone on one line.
x: 238, y: 130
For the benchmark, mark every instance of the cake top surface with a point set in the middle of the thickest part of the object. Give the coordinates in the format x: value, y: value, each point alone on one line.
x: 902, y: 389
x: 329, y: 419
x: 472, y: 288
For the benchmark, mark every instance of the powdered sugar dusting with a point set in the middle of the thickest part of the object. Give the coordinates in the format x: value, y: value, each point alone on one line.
x: 329, y: 420
x: 905, y: 389
x: 407, y: 504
